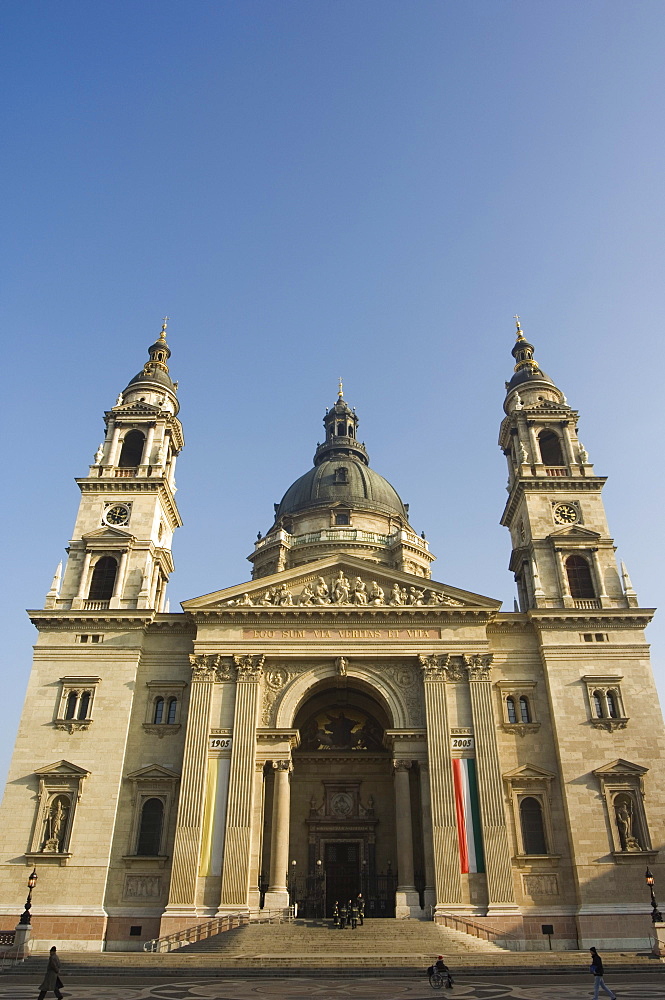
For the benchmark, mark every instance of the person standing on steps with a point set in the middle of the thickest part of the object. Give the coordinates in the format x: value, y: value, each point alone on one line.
x: 52, y: 980
x: 349, y: 913
x: 354, y: 916
x: 361, y: 908
x: 342, y: 917
x: 597, y: 972
x: 336, y: 914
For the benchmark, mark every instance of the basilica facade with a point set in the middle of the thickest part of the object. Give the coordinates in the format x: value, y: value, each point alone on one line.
x: 342, y: 722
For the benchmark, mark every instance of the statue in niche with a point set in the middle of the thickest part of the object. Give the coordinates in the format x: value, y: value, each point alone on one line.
x: 623, y: 811
x: 322, y: 593
x: 341, y: 589
x: 396, y: 596
x: 376, y: 594
x: 307, y: 597
x: 55, y: 825
x: 341, y: 664
x: 367, y: 810
x: 359, y: 591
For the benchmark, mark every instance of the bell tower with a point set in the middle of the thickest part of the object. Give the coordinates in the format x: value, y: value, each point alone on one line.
x: 120, y: 553
x: 562, y: 552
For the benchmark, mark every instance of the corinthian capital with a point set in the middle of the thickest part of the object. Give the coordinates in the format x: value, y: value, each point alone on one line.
x: 434, y: 666
x: 250, y: 666
x: 211, y: 667
x: 282, y: 765
x: 478, y: 665
x: 401, y: 765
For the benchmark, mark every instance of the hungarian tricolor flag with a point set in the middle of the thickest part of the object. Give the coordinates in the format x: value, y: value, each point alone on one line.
x: 469, y: 836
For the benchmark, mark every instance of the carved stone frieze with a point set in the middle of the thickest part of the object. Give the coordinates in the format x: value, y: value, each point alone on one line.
x: 72, y: 725
x: 478, y: 665
x: 520, y: 728
x: 540, y: 885
x: 339, y: 590
x: 609, y: 724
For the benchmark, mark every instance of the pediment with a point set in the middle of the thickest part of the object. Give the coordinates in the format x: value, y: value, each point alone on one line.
x: 529, y: 772
x: 63, y: 769
x: 107, y: 531
x: 575, y: 532
x: 153, y: 772
x: 339, y: 581
x: 620, y: 768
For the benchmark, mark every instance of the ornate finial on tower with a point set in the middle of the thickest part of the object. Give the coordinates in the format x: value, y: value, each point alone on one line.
x: 520, y: 335
x: 162, y: 335
x: 340, y: 390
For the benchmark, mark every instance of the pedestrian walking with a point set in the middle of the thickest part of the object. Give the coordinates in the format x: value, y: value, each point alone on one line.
x: 361, y: 908
x: 596, y: 970
x: 349, y: 912
x: 52, y: 980
x: 354, y: 916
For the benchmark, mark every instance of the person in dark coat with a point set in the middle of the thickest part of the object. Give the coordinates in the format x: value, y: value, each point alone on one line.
x: 349, y: 911
x: 336, y: 914
x: 342, y: 917
x: 361, y: 908
x: 443, y: 970
x: 354, y: 915
x: 52, y: 979
x: 597, y: 972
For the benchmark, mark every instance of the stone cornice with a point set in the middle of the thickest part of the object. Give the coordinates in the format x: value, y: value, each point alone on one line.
x: 544, y: 484
x: 352, y: 614
x: 71, y: 620
x: 606, y: 618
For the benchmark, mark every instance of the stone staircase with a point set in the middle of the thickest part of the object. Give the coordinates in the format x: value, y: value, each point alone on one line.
x: 395, y: 948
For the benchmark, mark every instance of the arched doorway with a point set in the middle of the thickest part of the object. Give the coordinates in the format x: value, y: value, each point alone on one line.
x: 342, y: 820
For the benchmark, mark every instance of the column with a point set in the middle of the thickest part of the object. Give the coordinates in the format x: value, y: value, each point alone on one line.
x: 535, y: 450
x: 147, y: 445
x: 119, y: 579
x: 85, y: 571
x: 112, y: 453
x: 498, y: 868
x: 447, y: 878
x: 563, y: 578
x: 235, y: 876
x: 598, y: 573
x: 256, y: 848
x: 428, y: 846
x: 568, y: 448
x: 277, y: 895
x: 189, y: 825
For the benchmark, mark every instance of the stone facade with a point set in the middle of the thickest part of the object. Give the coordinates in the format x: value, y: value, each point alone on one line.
x: 342, y: 722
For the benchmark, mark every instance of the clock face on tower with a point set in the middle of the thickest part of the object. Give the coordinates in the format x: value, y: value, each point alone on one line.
x: 565, y: 513
x: 118, y: 513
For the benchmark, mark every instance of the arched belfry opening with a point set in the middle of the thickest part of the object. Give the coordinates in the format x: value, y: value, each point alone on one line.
x: 342, y: 803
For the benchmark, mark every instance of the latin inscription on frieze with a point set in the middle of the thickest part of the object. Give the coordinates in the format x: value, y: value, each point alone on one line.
x: 314, y: 634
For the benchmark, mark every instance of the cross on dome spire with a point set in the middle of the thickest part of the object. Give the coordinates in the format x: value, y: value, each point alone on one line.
x: 340, y: 390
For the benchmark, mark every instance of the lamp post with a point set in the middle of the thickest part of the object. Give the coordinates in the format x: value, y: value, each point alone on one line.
x: 656, y: 915
x: 32, y: 882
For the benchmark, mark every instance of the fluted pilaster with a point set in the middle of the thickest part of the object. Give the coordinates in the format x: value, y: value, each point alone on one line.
x: 235, y: 876
x: 448, y: 881
x: 493, y: 818
x: 189, y: 824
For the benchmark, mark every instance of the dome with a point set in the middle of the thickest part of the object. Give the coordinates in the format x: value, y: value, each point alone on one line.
x: 528, y: 375
x: 157, y: 375
x: 341, y: 480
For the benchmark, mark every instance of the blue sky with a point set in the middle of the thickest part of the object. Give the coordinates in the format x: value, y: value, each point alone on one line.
x: 312, y: 189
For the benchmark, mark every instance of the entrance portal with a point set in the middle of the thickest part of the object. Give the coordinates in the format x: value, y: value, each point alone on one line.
x: 342, y: 868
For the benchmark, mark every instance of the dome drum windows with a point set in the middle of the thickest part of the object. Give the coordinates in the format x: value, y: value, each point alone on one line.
x: 518, y: 706
x: 74, y: 709
x: 605, y: 703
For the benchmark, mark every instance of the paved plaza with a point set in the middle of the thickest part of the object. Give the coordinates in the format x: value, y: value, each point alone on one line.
x: 649, y: 986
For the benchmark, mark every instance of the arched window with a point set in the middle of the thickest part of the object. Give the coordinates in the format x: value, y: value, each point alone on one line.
x: 150, y: 830
x: 510, y: 709
x: 159, y: 711
x: 103, y: 579
x: 350, y: 432
x: 70, y: 710
x: 341, y: 430
x: 132, y: 449
x: 597, y: 704
x: 612, y: 705
x: 550, y: 448
x: 579, y: 577
x: 525, y: 714
x: 173, y: 705
x: 84, y: 705
x: 533, y: 830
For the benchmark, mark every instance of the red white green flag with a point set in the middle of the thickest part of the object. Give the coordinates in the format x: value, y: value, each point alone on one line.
x: 469, y: 835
